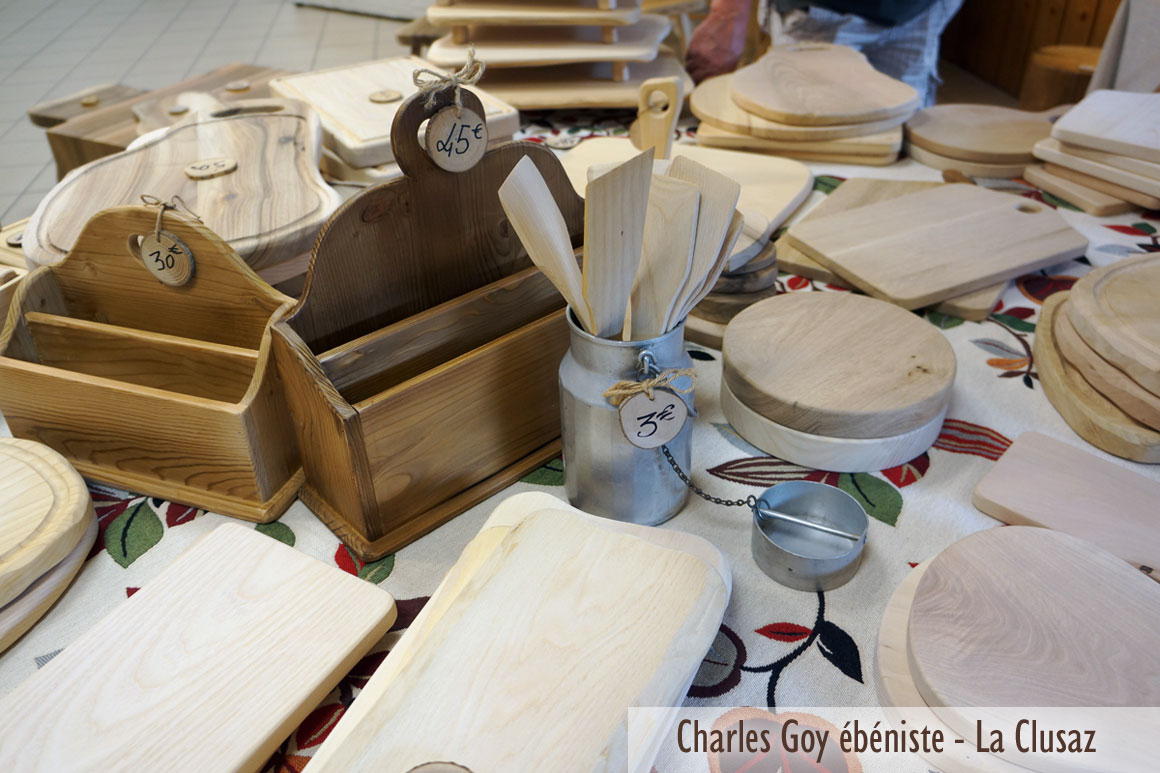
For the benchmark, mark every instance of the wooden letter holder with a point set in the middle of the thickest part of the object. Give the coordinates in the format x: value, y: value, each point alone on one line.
x: 420, y: 363
x: 166, y: 390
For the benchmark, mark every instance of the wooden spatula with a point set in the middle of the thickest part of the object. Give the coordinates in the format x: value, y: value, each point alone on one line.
x: 669, y: 235
x: 731, y: 236
x: 533, y: 212
x: 614, y: 211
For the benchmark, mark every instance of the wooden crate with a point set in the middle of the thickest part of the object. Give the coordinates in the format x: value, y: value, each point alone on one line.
x: 165, y: 390
x: 420, y: 364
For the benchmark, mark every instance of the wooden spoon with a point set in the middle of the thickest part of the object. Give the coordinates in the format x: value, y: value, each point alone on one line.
x: 669, y: 235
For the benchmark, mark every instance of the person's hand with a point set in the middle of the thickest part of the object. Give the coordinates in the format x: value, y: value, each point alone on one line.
x: 719, y: 40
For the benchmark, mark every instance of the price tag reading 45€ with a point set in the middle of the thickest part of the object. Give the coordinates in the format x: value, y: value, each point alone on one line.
x: 167, y: 258
x: 652, y: 423
x: 456, y: 140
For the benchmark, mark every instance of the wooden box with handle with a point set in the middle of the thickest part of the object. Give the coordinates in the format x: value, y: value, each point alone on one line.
x: 420, y: 363
x: 162, y: 383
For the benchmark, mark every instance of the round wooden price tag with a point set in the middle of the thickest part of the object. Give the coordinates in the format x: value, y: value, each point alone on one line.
x: 652, y: 423
x: 456, y: 140
x: 386, y: 96
x: 207, y: 168
x: 167, y: 258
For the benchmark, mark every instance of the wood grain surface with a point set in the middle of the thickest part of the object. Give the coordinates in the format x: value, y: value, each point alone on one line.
x: 849, y: 150
x: 11, y: 252
x: 711, y: 102
x: 819, y: 84
x: 1096, y: 419
x: 269, y: 210
x: 46, y: 511
x: 1149, y: 169
x: 723, y: 307
x: 969, y: 168
x: 750, y: 281
x: 1119, y: 122
x: 57, y: 111
x: 580, y: 85
x: 1103, y: 186
x: 537, y: 13
x: 358, y: 129
x: 886, y: 372
x: 1041, y: 481
x: 1115, y: 309
x: 921, y: 248
x: 563, y: 583
x: 207, y: 638
x: 670, y: 231
x: 1088, y: 199
x: 987, y: 134
x: 1051, y: 150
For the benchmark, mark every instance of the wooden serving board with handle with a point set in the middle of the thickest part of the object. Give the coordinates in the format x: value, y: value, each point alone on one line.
x: 550, y: 689
x: 925, y: 247
x: 202, y: 669
x: 1118, y: 122
x: 987, y: 134
x: 269, y: 208
x: 1041, y: 481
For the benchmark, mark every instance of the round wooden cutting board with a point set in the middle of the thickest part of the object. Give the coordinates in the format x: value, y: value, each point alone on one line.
x: 1117, y: 311
x: 984, y: 133
x: 838, y: 364
x: 44, y: 511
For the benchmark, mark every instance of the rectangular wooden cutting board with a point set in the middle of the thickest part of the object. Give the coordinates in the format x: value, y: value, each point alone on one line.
x: 925, y: 247
x: 1051, y: 150
x: 551, y: 624
x: 1116, y: 121
x: 208, y: 667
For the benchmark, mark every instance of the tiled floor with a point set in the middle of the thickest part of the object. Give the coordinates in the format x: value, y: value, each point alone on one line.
x: 51, y: 48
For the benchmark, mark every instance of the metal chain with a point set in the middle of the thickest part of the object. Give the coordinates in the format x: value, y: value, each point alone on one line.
x: 750, y: 501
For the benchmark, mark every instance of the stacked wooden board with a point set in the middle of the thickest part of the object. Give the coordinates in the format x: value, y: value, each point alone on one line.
x: 1104, y: 152
x: 356, y: 105
x: 819, y: 102
x: 1097, y: 348
x: 557, y: 53
x: 977, y: 140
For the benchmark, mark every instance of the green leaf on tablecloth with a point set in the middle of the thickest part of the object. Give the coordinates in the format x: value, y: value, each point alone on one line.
x: 377, y: 571
x: 278, y: 531
x: 879, y: 498
x: 551, y: 474
x: 133, y: 532
x: 1055, y: 201
x: 1022, y: 325
x: 943, y: 321
x: 1147, y: 228
x: 826, y: 183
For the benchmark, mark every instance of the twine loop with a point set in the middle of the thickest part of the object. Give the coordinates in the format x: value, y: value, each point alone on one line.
x: 175, y: 203
x: 430, y: 83
x: 623, y: 390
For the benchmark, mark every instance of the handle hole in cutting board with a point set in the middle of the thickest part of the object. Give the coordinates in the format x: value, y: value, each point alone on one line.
x: 135, y: 245
x: 1030, y: 209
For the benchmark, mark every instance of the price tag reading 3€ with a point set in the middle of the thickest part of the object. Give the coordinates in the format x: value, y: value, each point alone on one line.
x: 455, y: 142
x: 167, y: 258
x: 652, y: 423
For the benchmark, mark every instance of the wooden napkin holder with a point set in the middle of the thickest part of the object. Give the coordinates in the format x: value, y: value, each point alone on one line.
x: 166, y: 390
x: 421, y: 361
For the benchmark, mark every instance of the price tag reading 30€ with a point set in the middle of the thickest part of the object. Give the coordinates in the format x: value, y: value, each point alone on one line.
x: 456, y: 140
x: 652, y: 423
x: 167, y: 258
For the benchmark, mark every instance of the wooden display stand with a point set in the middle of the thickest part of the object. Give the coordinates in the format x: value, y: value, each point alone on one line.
x: 168, y: 390
x: 420, y: 364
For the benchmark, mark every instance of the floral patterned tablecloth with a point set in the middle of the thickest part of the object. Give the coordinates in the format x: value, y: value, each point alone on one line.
x: 776, y: 646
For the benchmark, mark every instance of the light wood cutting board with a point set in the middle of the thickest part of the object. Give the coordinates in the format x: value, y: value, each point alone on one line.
x: 969, y: 168
x: 548, y: 689
x: 819, y: 84
x: 1116, y: 309
x: 581, y: 85
x: 505, y: 46
x: 358, y: 129
x: 1103, y: 186
x: 44, y: 511
x: 1051, y: 150
x: 1041, y: 481
x: 886, y: 371
x: 1096, y: 419
x: 711, y: 102
x: 985, y: 133
x: 1021, y: 616
x: 203, y: 668
x: 1149, y: 169
x: 873, y: 149
x: 925, y: 247
x: 1116, y: 121
x: 1088, y: 199
x: 269, y: 209
x: 534, y: 13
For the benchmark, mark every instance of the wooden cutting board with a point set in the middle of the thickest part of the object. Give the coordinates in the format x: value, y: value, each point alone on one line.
x: 711, y: 102
x: 985, y: 133
x: 969, y: 168
x: 1103, y: 186
x: 549, y: 689
x: 1088, y: 199
x: 886, y: 371
x: 921, y: 248
x: 57, y: 111
x: 1041, y: 481
x: 534, y: 13
x: 1021, y: 616
x: 357, y: 127
x: 820, y: 84
x: 1119, y: 122
x: 167, y: 107
x: 11, y: 238
x: 723, y: 307
x: 873, y: 149
x: 582, y: 85
x: 1051, y: 150
x: 1116, y: 310
x: 1149, y: 169
x: 269, y: 208
x: 536, y: 46
x: 236, y: 641
x: 1096, y: 419
x: 44, y: 511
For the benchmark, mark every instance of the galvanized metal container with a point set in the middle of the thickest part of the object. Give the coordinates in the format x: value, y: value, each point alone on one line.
x: 604, y: 474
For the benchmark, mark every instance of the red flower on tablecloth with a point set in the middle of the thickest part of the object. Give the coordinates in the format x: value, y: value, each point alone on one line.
x: 963, y: 437
x: 375, y: 571
x: 1038, y: 287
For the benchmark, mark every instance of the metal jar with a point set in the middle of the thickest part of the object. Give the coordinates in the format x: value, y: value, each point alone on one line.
x: 604, y: 474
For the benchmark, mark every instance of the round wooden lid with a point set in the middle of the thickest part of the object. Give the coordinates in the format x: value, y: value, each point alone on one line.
x: 984, y: 133
x: 838, y: 365
x: 44, y: 510
x: 1023, y: 616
